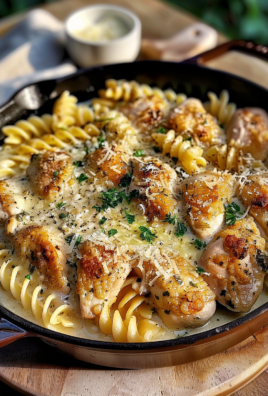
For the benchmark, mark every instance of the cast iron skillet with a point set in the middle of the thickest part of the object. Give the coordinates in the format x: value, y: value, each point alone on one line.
x: 194, y: 80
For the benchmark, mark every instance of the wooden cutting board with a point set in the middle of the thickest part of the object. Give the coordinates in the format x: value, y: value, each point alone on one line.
x: 34, y: 368
x: 37, y: 369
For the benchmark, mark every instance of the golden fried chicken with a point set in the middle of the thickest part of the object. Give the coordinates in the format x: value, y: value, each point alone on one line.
x: 50, y: 172
x: 145, y: 112
x: 101, y: 274
x: 249, y: 128
x: 235, y: 260
x: 191, y: 119
x: 46, y: 252
x: 108, y: 164
x: 205, y: 195
x: 180, y: 295
x: 155, y: 182
x: 10, y: 201
x: 254, y: 193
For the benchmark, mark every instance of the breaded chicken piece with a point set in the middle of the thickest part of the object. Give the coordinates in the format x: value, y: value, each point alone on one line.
x: 50, y: 172
x: 10, y: 201
x: 205, y: 195
x: 46, y: 252
x: 191, y: 119
x: 108, y: 164
x: 155, y: 182
x: 249, y: 128
x: 101, y: 274
x: 254, y: 193
x: 235, y: 260
x: 180, y: 295
x: 145, y: 112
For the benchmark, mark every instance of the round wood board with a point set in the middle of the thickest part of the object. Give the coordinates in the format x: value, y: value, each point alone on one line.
x: 34, y: 368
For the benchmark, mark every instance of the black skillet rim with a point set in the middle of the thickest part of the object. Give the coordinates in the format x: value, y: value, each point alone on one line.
x: 163, y: 344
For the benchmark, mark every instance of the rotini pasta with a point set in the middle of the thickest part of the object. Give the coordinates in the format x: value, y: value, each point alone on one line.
x: 189, y: 156
x: 130, y: 319
x: 64, y: 111
x: 25, y: 130
x: 220, y: 107
x: 225, y: 157
x: 18, y: 158
x: 45, y: 306
x: 84, y: 115
x: 131, y: 90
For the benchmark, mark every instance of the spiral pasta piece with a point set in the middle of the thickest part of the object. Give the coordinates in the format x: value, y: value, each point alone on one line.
x: 24, y: 130
x: 17, y: 159
x: 129, y: 320
x: 131, y: 90
x: 84, y: 115
x: 64, y: 111
x: 189, y: 156
x: 43, y: 304
x: 117, y: 126
x: 220, y: 107
x: 225, y: 157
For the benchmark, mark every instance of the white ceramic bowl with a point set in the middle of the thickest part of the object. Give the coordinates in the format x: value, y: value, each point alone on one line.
x: 88, y: 53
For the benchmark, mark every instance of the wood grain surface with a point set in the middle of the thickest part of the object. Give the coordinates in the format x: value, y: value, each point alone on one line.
x: 37, y: 369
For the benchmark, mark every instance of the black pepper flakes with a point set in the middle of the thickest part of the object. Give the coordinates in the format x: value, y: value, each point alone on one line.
x: 166, y: 293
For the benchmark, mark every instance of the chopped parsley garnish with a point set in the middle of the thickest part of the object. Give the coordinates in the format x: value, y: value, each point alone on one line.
x: 181, y: 229
x: 110, y: 199
x: 146, y: 234
x: 205, y: 122
x: 113, y: 197
x: 101, y: 141
x: 232, y: 213
x: 193, y: 284
x: 170, y: 219
x: 131, y: 195
x: 199, y: 244
x: 78, y: 240
x: 55, y: 173
x: 64, y: 128
x: 125, y: 180
x: 188, y: 138
x: 130, y: 218
x: 60, y: 204
x: 69, y: 239
x: 86, y: 149
x: 31, y: 270
x: 162, y: 130
x: 63, y: 215
x: 78, y: 164
x: 138, y: 153
x: 20, y: 216
x: 112, y: 232
x: 102, y: 220
x: 82, y: 178
x: 157, y: 149
x: 200, y: 270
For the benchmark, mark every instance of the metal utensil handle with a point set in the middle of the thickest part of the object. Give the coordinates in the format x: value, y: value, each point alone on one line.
x: 10, y: 332
x: 239, y: 45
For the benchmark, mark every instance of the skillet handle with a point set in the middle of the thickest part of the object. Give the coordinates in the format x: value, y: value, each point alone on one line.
x: 10, y: 333
x: 238, y: 45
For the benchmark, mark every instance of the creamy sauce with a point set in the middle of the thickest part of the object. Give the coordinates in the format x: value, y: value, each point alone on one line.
x: 105, y: 29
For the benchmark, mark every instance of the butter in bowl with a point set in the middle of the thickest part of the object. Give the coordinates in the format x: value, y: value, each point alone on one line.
x: 102, y: 34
